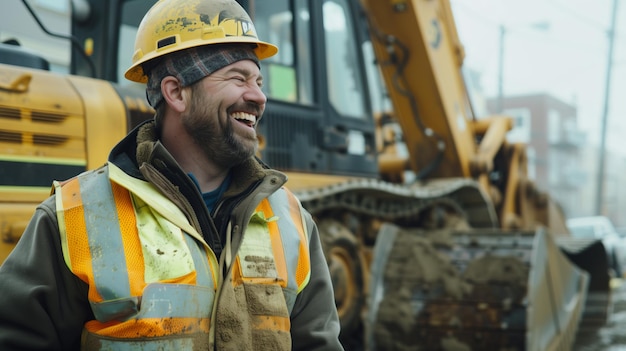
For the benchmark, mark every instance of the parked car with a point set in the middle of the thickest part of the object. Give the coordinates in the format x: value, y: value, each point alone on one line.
x: 601, y: 228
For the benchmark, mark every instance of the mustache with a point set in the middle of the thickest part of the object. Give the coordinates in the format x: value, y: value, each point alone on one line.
x: 248, y: 107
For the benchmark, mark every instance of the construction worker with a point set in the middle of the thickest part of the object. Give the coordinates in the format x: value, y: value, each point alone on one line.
x: 184, y: 240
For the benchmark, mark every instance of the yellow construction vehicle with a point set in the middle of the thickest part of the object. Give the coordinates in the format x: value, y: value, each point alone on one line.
x: 435, y: 237
x: 55, y: 125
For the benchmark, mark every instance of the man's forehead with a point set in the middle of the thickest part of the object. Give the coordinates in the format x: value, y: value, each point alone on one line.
x: 247, y: 68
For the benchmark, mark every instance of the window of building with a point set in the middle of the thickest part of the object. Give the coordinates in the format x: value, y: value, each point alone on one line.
x: 554, y: 126
x: 520, y: 133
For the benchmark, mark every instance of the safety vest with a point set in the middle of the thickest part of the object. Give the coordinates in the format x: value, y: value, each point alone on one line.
x: 153, y: 280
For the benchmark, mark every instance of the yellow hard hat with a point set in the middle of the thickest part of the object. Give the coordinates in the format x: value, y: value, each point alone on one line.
x: 174, y: 25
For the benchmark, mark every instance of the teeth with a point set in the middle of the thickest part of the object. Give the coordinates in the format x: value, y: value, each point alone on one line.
x: 242, y: 116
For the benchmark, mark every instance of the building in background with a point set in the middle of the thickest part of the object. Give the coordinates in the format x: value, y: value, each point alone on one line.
x: 560, y: 159
x: 555, y: 147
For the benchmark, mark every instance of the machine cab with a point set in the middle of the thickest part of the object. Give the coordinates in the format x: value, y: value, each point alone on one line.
x: 319, y: 115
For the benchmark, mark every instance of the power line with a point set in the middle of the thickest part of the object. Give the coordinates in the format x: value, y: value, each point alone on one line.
x: 600, y: 26
x: 582, y: 18
x: 560, y: 6
x: 567, y: 42
x: 468, y: 9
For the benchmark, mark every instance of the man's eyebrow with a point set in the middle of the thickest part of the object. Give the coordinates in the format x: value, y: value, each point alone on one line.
x: 244, y: 72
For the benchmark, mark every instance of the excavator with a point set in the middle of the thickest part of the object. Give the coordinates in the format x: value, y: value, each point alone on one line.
x: 434, y: 234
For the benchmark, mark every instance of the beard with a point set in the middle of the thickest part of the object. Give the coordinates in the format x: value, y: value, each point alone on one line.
x: 215, y: 134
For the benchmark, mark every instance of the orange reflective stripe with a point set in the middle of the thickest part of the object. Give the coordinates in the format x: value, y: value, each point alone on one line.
x: 78, y: 248
x: 71, y: 194
x: 237, y: 276
x: 266, y: 281
x: 273, y: 323
x: 150, y: 327
x: 277, y: 244
x: 132, y: 244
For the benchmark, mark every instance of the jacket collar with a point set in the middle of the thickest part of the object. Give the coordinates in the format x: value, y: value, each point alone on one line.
x: 142, y: 147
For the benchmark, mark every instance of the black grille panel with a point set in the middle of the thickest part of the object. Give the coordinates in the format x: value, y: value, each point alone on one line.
x: 46, y: 117
x: 292, y: 138
x: 10, y: 137
x: 10, y: 113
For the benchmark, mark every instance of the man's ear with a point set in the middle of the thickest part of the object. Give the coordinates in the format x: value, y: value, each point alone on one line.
x: 173, y: 93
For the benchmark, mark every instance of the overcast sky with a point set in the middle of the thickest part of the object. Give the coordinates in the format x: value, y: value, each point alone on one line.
x: 559, y: 47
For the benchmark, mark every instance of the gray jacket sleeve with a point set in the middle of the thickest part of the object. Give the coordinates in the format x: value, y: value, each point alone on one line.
x: 314, y: 321
x: 43, y: 306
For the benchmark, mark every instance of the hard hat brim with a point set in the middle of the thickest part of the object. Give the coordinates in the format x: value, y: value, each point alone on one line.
x: 136, y: 73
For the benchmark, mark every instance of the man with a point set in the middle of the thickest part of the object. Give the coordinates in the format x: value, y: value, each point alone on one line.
x: 184, y: 240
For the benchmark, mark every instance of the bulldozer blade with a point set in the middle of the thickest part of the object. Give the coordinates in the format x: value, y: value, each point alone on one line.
x: 472, y: 290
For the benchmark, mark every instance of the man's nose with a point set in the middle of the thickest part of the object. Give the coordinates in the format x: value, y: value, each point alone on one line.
x: 255, y: 94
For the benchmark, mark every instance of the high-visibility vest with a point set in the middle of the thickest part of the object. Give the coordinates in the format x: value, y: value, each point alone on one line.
x: 153, y: 279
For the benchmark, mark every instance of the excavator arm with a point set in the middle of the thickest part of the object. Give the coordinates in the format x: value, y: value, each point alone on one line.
x: 421, y: 57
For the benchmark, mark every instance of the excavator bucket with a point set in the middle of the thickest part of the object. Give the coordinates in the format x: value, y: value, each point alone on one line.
x: 472, y: 290
x: 591, y: 256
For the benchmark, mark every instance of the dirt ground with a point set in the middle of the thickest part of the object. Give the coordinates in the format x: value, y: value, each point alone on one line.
x: 612, y: 336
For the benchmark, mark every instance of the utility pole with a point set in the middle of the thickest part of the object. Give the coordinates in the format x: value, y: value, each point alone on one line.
x: 543, y: 26
x: 603, y: 136
x: 500, y: 102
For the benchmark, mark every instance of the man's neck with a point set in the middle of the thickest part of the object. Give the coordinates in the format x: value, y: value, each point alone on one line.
x: 192, y: 160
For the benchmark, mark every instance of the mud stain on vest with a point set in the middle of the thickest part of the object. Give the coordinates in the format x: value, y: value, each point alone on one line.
x: 232, y: 316
x: 258, y: 266
x: 242, y: 311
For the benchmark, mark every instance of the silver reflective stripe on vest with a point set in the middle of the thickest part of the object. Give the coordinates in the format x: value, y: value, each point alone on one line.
x: 199, y: 257
x: 176, y: 301
x: 105, y: 238
x: 180, y: 343
x: 291, y: 242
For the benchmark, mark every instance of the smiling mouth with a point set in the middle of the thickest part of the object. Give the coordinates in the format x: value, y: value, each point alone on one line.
x: 245, y: 118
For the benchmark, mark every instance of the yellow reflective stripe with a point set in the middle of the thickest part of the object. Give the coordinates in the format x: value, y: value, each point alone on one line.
x: 150, y: 195
x: 61, y: 220
x: 164, y: 249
